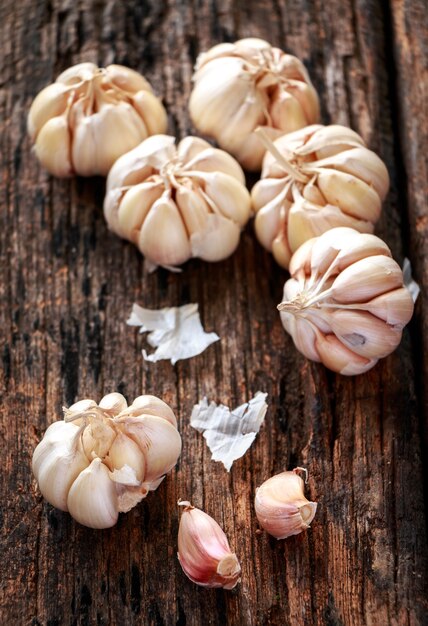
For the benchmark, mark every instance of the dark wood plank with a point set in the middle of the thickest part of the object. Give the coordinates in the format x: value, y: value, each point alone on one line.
x: 67, y: 286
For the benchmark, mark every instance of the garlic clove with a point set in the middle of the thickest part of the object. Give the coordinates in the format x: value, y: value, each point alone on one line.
x: 150, y: 405
x: 193, y: 208
x: 281, y: 249
x: 77, y: 73
x: 97, y: 438
x: 266, y: 190
x: 57, y: 461
x: 125, y: 452
x: 307, y: 98
x: 360, y: 248
x: 363, y: 164
x: 151, y: 111
x: 134, y: 207
x: 159, y: 441
x: 351, y: 194
x: 395, y: 307
x: 127, y: 79
x: 230, y: 197
x: 92, y: 499
x: 329, y: 140
x: 270, y: 220
x: 51, y: 102
x: 214, y: 160
x: 217, y: 240
x: 366, y: 279
x: 163, y: 238
x: 287, y: 113
x: 113, y: 403
x: 364, y: 333
x: 204, y: 552
x: 338, y: 358
x: 190, y: 147
x: 52, y: 147
x: 281, y: 507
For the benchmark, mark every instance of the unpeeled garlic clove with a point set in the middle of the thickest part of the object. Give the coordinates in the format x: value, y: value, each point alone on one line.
x: 52, y: 147
x: 281, y: 507
x: 92, y: 499
x: 204, y: 552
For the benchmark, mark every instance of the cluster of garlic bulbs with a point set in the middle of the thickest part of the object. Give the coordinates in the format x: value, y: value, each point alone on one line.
x: 91, y: 116
x: 281, y: 507
x: 102, y: 459
x: 178, y: 202
x: 345, y: 303
x: 240, y: 86
x: 204, y: 552
x: 314, y: 179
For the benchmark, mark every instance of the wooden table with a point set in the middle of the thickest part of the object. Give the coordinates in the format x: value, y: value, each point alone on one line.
x: 67, y: 287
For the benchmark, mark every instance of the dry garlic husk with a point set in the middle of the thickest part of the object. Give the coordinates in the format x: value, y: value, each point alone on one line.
x: 240, y: 86
x: 91, y: 116
x: 178, y: 202
x: 102, y: 459
x: 345, y: 303
x: 204, y: 552
x: 281, y: 507
x: 315, y: 179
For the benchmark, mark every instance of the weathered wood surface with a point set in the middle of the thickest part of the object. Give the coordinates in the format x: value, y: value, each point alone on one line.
x: 67, y: 286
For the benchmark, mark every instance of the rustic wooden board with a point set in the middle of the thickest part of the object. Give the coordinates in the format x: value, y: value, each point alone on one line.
x: 67, y: 286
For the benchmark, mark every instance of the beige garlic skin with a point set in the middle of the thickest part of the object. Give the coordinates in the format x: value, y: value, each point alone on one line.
x: 103, y: 459
x: 281, y: 507
x: 204, y: 552
x: 345, y: 304
x: 314, y: 179
x: 91, y: 116
x: 240, y: 86
x: 178, y: 202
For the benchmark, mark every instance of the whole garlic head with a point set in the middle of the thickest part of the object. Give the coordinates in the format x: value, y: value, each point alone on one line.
x: 91, y: 116
x: 240, y: 86
x: 314, y: 179
x: 204, y: 552
x: 175, y: 203
x: 102, y: 459
x: 345, y: 304
x: 281, y: 507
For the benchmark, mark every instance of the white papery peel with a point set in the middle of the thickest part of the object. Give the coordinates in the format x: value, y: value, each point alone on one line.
x: 176, y: 332
x: 411, y: 284
x: 229, y: 434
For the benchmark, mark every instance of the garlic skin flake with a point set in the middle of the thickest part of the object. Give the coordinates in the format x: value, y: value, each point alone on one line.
x: 175, y: 332
x: 240, y: 86
x: 281, y: 507
x: 91, y: 116
x: 105, y: 458
x: 178, y: 202
x: 228, y: 433
x: 345, y: 304
x: 204, y: 552
x: 315, y: 179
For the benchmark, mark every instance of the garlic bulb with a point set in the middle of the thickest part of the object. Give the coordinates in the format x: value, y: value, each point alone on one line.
x: 281, y: 506
x: 175, y: 203
x: 204, y: 552
x: 345, y: 303
x: 91, y: 116
x: 312, y: 180
x: 104, y: 458
x: 240, y: 86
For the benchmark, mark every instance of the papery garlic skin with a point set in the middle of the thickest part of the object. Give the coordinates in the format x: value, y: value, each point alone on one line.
x: 91, y: 116
x: 178, y: 202
x: 345, y: 304
x: 281, y: 507
x: 204, y: 552
x: 315, y: 179
x: 240, y: 86
x: 104, y: 458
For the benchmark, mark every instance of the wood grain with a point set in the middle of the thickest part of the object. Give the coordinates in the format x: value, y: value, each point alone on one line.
x: 67, y: 286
